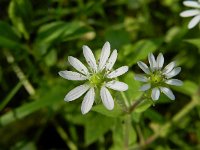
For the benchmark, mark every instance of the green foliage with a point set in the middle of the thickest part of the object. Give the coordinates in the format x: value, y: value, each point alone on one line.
x: 36, y: 38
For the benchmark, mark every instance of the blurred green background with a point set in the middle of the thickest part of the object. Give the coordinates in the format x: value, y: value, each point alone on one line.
x: 37, y: 36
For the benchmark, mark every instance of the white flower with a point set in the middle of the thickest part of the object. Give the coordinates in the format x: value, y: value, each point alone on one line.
x: 157, y: 79
x: 98, y: 76
x: 195, y: 12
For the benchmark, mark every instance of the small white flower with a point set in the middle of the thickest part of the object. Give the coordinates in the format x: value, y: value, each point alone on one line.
x: 98, y: 76
x: 195, y: 12
x: 157, y: 79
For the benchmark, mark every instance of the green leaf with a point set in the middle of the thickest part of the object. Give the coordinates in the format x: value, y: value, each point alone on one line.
x: 8, y: 32
x: 122, y: 35
x: 133, y: 53
x: 7, y: 43
x: 20, y: 14
x: 195, y: 42
x: 96, y: 127
x: 9, y: 37
x: 144, y: 105
x: 116, y: 112
x: 50, y: 98
x: 154, y: 116
x: 56, y: 31
x: 51, y: 58
x: 189, y: 88
x: 133, y: 92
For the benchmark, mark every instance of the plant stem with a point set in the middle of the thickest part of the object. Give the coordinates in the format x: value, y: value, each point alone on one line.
x: 125, y: 99
x: 126, y: 132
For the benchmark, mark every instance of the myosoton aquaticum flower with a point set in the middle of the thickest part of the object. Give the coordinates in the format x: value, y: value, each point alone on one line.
x: 98, y: 77
x: 194, y: 12
x: 158, y: 79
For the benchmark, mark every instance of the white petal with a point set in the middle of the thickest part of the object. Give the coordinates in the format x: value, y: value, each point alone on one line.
x: 70, y: 75
x: 105, y: 53
x: 107, y: 98
x: 145, y: 87
x: 116, y: 85
x: 168, y: 92
x: 173, y: 73
x: 194, y: 22
x: 78, y: 65
x: 88, y: 101
x: 174, y: 82
x: 141, y: 78
x: 160, y: 61
x: 111, y: 60
x: 152, y: 61
x: 89, y: 56
x: 76, y: 92
x: 191, y: 4
x: 118, y: 72
x: 169, y: 67
x: 155, y: 93
x: 144, y: 67
x: 189, y: 13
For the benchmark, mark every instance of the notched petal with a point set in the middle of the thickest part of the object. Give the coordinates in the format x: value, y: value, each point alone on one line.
x: 168, y: 92
x: 89, y: 57
x: 160, y: 61
x: 117, y: 85
x: 175, y: 82
x: 118, y: 72
x: 106, y: 98
x: 78, y: 65
x: 70, y: 75
x: 88, y: 101
x: 155, y: 94
x: 76, y: 92
x: 111, y: 60
x: 141, y: 78
x: 105, y: 53
x: 173, y: 73
x: 169, y: 67
x: 145, y: 87
x: 144, y: 67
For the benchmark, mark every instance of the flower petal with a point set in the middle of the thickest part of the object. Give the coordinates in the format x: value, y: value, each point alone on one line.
x: 117, y: 85
x: 145, y: 87
x: 174, y: 82
x: 70, y: 75
x: 144, y: 67
x: 152, y: 61
x: 111, y: 60
x: 191, y: 4
x: 106, y: 98
x: 141, y: 78
x: 168, y: 92
x: 160, y: 61
x: 118, y: 72
x: 78, y: 65
x: 155, y: 93
x: 189, y: 13
x: 88, y: 101
x: 194, y: 22
x: 105, y: 53
x: 169, y: 67
x: 76, y: 92
x: 173, y: 73
x: 89, y: 56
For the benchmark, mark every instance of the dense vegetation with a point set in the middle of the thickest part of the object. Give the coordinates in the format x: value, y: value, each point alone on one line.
x: 36, y: 38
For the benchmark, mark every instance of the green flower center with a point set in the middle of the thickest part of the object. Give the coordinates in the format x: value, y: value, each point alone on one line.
x: 96, y: 79
x: 156, y: 78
